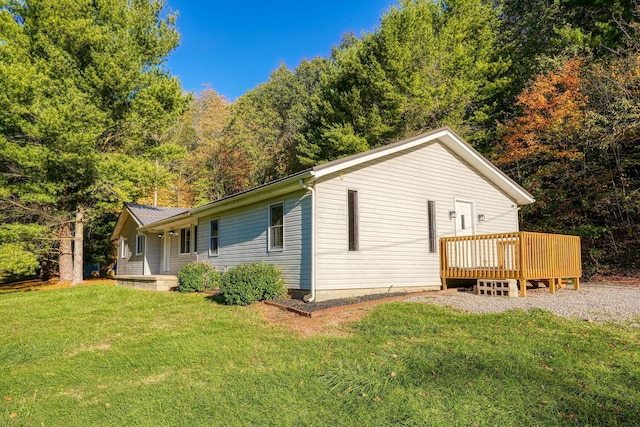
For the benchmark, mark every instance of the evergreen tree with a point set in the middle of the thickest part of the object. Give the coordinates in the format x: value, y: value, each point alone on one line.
x: 84, y: 97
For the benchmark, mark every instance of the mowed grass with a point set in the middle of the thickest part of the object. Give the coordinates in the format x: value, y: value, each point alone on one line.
x: 103, y: 355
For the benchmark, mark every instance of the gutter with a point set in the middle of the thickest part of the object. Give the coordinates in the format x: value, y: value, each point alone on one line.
x: 313, y: 238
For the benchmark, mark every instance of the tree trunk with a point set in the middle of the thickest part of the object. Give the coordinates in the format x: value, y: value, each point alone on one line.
x: 65, y: 259
x: 78, y: 243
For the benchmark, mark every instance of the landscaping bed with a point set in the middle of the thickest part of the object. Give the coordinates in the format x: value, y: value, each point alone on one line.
x: 312, y: 309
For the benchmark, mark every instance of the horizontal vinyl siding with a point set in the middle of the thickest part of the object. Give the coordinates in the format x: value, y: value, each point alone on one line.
x: 132, y: 264
x: 153, y: 252
x: 177, y: 259
x: 242, y: 238
x: 392, y: 211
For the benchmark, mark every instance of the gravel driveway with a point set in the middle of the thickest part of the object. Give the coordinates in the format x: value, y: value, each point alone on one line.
x: 593, y: 302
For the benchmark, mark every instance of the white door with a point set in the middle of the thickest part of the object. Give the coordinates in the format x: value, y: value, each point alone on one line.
x: 465, y: 226
x: 465, y: 221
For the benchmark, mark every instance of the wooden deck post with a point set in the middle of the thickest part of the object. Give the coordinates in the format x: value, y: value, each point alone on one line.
x: 521, y: 258
x: 552, y: 286
x: 576, y: 283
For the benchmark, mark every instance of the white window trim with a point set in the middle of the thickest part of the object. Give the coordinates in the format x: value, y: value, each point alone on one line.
x: 433, y: 218
x: 123, y: 247
x: 180, y: 253
x: 356, y: 223
x: 281, y: 248
x: 217, y: 252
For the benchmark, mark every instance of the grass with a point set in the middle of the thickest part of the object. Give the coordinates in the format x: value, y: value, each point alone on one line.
x: 104, y: 355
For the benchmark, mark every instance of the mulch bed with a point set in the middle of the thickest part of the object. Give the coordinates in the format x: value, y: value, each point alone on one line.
x: 313, y: 309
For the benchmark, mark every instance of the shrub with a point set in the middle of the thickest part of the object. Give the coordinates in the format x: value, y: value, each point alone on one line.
x: 198, y: 277
x: 248, y: 283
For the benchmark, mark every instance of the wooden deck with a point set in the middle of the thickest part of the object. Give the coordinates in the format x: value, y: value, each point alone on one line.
x: 522, y: 256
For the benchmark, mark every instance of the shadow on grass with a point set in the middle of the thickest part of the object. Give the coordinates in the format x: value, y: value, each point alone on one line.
x: 216, y: 298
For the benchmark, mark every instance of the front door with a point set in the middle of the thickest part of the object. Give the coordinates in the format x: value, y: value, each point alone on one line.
x: 465, y: 224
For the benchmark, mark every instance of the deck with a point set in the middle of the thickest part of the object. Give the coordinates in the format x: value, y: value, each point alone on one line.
x: 522, y: 256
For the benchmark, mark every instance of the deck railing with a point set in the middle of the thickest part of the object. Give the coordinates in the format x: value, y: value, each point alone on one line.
x: 521, y: 256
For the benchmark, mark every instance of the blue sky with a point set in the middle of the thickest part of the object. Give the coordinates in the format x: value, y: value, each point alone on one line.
x: 235, y: 45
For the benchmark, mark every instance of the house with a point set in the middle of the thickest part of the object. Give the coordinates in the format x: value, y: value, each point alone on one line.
x: 361, y: 224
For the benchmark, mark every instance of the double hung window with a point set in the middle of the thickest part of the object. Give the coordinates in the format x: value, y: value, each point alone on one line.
x: 185, y: 240
x: 213, y: 237
x: 276, y: 226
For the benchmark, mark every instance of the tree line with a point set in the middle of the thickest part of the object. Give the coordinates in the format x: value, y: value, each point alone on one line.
x: 90, y: 118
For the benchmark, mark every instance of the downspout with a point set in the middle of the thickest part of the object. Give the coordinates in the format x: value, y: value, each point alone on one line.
x: 313, y: 239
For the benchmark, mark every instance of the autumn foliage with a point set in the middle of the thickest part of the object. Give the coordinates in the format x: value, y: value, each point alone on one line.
x: 553, y: 115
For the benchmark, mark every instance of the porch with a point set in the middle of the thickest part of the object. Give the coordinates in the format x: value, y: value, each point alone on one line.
x: 522, y: 256
x: 160, y: 282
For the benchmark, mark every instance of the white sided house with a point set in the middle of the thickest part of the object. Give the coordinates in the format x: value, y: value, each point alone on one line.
x: 362, y: 224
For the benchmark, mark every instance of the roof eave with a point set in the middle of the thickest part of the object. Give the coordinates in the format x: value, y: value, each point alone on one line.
x: 453, y: 142
x: 274, y: 189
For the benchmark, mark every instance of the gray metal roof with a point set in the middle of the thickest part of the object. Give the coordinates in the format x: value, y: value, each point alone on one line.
x: 145, y: 214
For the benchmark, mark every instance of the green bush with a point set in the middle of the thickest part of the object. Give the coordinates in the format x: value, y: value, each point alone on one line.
x: 198, y: 277
x: 248, y: 283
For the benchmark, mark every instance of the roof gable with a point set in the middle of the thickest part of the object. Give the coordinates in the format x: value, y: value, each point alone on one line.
x: 144, y: 215
x: 449, y: 139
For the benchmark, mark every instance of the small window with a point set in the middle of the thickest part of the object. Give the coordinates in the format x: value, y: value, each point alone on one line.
x: 276, y: 226
x: 213, y: 237
x: 352, y: 201
x: 195, y: 239
x: 185, y: 240
x: 123, y: 248
x: 431, y: 219
x: 139, y: 244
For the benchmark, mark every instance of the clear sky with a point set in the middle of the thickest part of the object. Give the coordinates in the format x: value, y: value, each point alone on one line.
x: 235, y: 45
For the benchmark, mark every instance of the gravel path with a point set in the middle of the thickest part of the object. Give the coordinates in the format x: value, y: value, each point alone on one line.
x: 593, y: 302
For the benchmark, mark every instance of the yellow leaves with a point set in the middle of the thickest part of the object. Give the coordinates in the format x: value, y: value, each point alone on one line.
x: 13, y: 416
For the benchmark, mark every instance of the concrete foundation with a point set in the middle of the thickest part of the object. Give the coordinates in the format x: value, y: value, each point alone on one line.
x: 323, y: 295
x: 152, y: 283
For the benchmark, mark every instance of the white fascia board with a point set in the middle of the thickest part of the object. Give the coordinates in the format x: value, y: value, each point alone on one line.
x: 115, y: 235
x: 453, y: 143
x: 165, y: 224
x: 255, y: 196
x: 488, y: 169
x: 355, y: 160
x: 278, y: 188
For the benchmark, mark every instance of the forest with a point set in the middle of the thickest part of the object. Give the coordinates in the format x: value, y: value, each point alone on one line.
x: 549, y: 90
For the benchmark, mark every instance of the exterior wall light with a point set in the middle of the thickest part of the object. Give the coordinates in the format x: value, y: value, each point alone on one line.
x: 481, y: 218
x: 452, y: 214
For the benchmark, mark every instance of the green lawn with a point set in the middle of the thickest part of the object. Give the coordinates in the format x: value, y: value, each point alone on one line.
x: 103, y: 355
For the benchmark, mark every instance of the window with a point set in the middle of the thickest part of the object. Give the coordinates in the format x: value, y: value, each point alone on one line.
x: 195, y: 239
x: 431, y: 219
x: 352, y: 202
x: 276, y: 226
x: 139, y: 244
x: 213, y: 237
x: 123, y: 248
x: 185, y: 240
